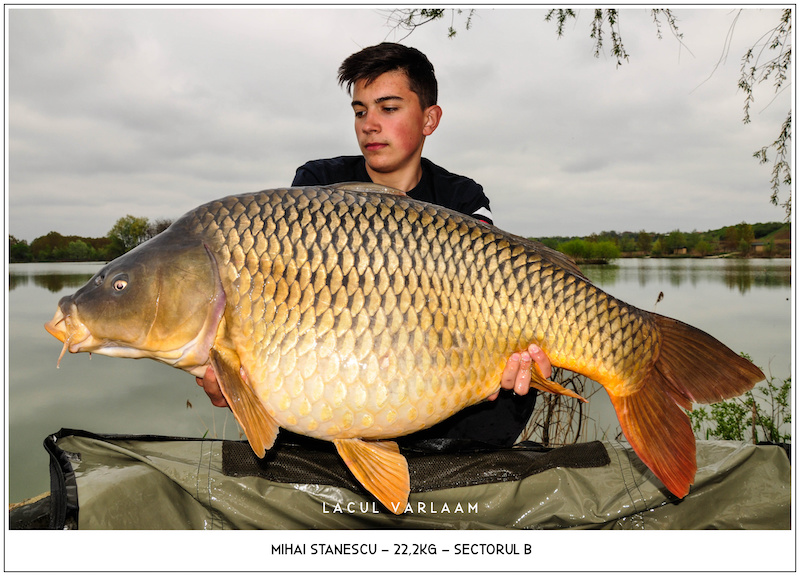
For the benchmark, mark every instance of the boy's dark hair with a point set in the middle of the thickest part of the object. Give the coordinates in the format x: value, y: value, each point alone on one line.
x: 373, y: 61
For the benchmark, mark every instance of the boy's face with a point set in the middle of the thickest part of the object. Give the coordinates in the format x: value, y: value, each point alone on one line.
x: 390, y: 124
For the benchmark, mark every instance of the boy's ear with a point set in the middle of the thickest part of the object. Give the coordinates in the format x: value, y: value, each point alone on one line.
x: 433, y: 114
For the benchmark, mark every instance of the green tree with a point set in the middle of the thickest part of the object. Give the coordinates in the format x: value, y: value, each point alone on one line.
x: 18, y: 250
x: 44, y: 247
x: 605, y: 250
x: 644, y: 242
x: 703, y: 248
x: 577, y: 248
x: 732, y: 238
x: 743, y: 247
x: 128, y: 232
x: 745, y: 232
x: 157, y: 227
x: 739, y: 237
x: 80, y: 251
x: 628, y: 245
x: 674, y: 241
x: 691, y: 239
x: 59, y: 253
x: 656, y: 249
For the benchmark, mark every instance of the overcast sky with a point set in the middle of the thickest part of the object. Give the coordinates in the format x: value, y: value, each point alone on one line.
x: 152, y: 112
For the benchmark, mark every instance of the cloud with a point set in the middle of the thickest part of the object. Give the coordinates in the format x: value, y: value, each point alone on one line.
x: 154, y: 111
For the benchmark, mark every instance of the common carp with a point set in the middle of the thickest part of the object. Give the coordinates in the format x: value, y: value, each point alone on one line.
x: 352, y: 314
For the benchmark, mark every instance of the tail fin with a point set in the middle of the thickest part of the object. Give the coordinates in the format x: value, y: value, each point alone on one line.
x: 691, y: 367
x: 701, y: 368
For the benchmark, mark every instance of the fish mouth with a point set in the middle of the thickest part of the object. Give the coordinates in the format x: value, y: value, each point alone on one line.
x: 69, y: 331
x: 57, y: 326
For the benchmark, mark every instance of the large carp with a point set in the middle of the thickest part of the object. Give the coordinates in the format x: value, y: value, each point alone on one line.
x: 354, y: 315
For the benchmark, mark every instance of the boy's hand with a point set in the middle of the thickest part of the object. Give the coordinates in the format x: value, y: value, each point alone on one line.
x: 211, y: 388
x: 517, y: 375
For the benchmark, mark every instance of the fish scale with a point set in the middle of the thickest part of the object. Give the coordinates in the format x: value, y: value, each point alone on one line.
x: 354, y: 314
x: 406, y: 334
x: 410, y: 326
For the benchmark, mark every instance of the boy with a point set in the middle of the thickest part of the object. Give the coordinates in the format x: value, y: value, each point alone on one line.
x: 394, y: 93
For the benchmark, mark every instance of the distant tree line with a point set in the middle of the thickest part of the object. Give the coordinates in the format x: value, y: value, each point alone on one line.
x: 767, y: 239
x: 127, y: 233
x: 764, y: 239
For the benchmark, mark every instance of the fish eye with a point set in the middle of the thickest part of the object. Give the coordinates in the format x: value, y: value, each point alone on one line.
x: 120, y: 283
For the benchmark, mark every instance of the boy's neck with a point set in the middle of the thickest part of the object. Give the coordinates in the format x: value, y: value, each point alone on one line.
x: 404, y: 180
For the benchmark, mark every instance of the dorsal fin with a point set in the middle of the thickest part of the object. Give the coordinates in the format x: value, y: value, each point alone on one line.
x: 369, y: 187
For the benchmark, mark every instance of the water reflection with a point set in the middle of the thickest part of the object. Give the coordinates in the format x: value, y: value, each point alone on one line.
x: 52, y: 276
x: 50, y: 282
x: 745, y: 277
x: 606, y: 275
x: 735, y: 274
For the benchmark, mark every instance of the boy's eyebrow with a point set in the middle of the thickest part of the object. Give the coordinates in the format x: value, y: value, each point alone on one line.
x: 377, y: 100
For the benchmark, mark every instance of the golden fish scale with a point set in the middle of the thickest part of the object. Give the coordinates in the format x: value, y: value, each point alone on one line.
x: 370, y: 316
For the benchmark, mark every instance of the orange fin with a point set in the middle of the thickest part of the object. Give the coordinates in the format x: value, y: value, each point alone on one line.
x: 539, y: 382
x: 660, y: 433
x: 700, y: 368
x: 380, y: 468
x: 259, y: 427
x: 691, y: 366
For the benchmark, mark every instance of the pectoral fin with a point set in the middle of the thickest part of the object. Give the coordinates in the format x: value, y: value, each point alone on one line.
x: 539, y: 382
x: 380, y: 468
x: 259, y: 427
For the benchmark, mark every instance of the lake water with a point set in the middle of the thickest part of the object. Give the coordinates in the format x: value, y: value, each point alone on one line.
x: 744, y: 303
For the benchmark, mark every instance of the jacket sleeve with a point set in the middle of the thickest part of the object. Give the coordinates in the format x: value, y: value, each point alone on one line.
x: 305, y: 176
x: 476, y: 204
x: 483, y: 213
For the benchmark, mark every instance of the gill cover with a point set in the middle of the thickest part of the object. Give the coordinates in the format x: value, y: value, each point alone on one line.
x: 162, y: 300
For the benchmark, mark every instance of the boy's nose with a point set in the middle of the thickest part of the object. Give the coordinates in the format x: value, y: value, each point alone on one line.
x: 369, y: 124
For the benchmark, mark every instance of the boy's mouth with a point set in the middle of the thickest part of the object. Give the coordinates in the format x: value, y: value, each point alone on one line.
x: 375, y: 146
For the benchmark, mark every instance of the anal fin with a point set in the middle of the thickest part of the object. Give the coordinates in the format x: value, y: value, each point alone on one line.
x: 259, y: 427
x: 539, y: 382
x: 380, y: 468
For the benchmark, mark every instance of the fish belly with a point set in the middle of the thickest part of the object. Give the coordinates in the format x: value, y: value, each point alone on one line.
x: 364, y: 402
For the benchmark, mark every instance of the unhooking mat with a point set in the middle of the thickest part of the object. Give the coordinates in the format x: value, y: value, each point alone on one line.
x: 146, y: 482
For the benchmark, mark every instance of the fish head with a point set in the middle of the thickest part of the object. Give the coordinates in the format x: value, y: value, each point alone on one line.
x: 162, y: 300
